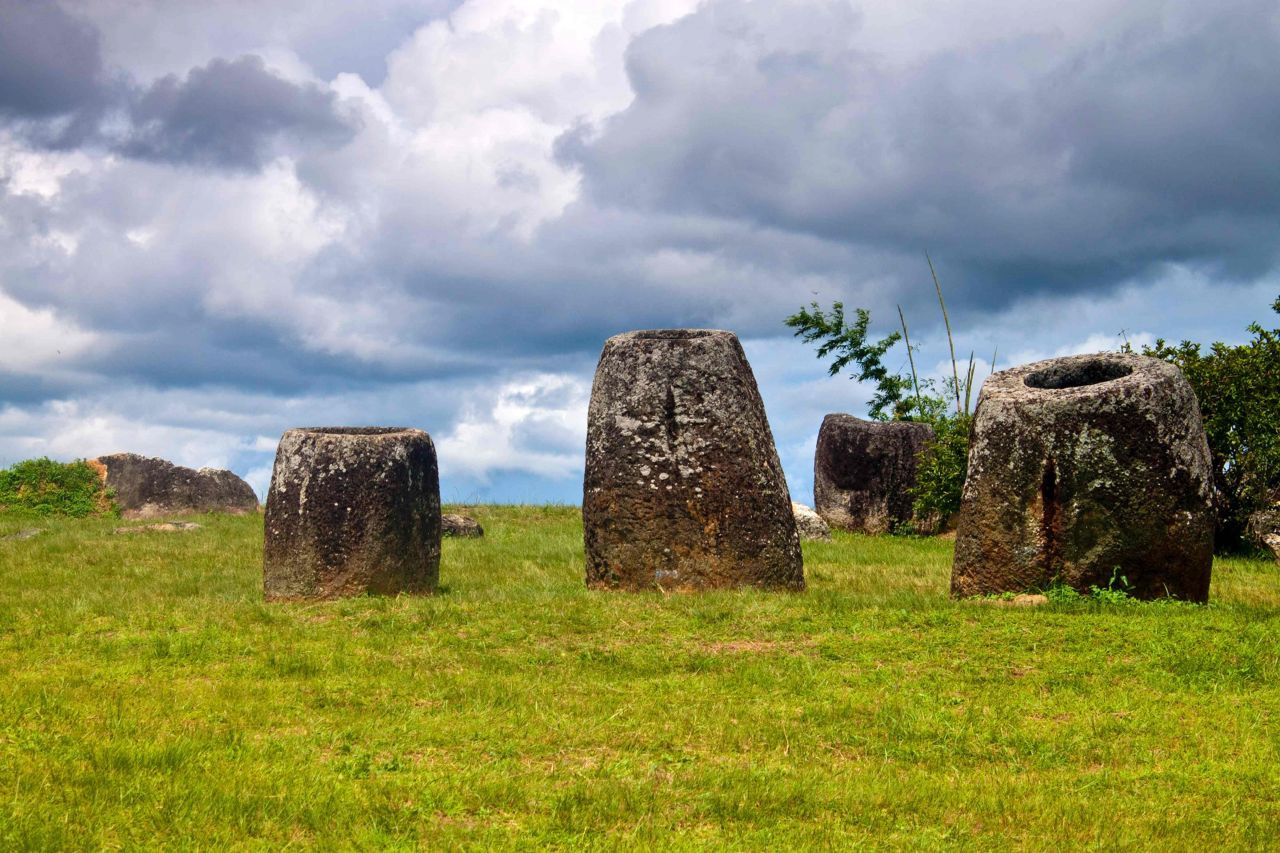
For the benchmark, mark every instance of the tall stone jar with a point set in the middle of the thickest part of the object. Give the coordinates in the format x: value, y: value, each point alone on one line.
x: 683, y: 487
x: 1087, y: 470
x: 352, y: 510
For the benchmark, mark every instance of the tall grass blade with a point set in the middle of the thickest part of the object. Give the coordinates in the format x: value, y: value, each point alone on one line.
x: 955, y: 373
x: 968, y: 384
x: 915, y: 381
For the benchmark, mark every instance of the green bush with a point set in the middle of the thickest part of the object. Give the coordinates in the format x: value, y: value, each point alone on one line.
x: 944, y: 462
x: 1239, y: 392
x: 43, y: 487
x: 942, y: 467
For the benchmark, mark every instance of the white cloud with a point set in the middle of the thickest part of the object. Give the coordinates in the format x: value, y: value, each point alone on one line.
x: 535, y: 424
x: 456, y: 262
x: 24, y: 171
x: 39, y: 339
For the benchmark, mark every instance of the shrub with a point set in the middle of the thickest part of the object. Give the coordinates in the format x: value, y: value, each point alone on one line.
x: 43, y: 487
x: 944, y: 462
x: 1239, y: 392
x: 942, y: 467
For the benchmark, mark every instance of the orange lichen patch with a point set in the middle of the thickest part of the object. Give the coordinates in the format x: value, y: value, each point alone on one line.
x: 98, y: 467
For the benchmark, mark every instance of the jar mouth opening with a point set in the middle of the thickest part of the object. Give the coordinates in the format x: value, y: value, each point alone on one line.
x: 1078, y: 374
x: 353, y: 430
x: 673, y: 334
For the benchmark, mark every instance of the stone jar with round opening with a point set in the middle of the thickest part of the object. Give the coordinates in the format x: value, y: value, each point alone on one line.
x: 352, y: 510
x: 683, y: 488
x: 1090, y: 470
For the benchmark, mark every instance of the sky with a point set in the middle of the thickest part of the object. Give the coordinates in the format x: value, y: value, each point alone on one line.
x: 221, y: 220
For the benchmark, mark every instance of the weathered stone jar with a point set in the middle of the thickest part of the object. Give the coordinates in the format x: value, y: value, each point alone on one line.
x: 352, y: 510
x: 1083, y: 468
x: 683, y: 488
x: 146, y: 487
x: 863, y: 472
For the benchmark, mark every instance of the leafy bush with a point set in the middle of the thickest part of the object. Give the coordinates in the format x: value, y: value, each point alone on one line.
x: 942, y: 468
x: 1239, y: 392
x: 944, y: 462
x: 43, y: 487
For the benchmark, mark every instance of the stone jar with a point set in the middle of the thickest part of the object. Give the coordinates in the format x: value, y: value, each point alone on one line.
x: 1083, y: 469
x: 352, y: 510
x: 683, y: 487
x: 863, y: 473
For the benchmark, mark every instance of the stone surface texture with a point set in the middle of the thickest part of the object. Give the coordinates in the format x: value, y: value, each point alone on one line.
x: 683, y: 488
x: 1263, y: 530
x: 146, y: 487
x: 863, y: 472
x: 352, y: 510
x: 461, y: 526
x: 809, y: 524
x: 1081, y: 468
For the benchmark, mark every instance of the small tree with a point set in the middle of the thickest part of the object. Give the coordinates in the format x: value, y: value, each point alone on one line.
x: 944, y: 462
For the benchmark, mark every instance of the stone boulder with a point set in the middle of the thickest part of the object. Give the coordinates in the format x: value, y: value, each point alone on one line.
x: 683, y: 488
x: 146, y: 487
x: 809, y: 524
x: 1263, y: 530
x: 863, y: 472
x: 352, y: 510
x: 1082, y: 468
x: 461, y: 526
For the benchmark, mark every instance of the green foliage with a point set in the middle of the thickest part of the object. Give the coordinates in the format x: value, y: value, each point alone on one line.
x: 43, y: 487
x: 944, y: 462
x: 1116, y: 592
x: 850, y: 346
x: 1239, y: 392
x: 151, y: 700
x: 942, y: 467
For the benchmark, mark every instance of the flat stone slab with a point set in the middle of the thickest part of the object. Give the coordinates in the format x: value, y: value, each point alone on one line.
x: 24, y: 533
x: 460, y: 526
x: 160, y: 527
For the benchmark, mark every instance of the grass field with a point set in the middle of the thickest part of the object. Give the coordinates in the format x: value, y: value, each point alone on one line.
x: 148, y: 698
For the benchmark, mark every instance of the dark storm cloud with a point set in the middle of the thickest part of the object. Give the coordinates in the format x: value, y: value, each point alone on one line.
x: 50, y: 63
x: 228, y: 113
x: 1032, y: 164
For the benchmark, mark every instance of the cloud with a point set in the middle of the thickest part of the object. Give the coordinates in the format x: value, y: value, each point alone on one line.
x: 228, y: 113
x: 50, y: 62
x: 245, y: 222
x: 1038, y: 160
x: 534, y: 424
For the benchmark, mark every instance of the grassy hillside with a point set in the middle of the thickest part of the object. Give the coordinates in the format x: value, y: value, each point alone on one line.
x: 149, y: 698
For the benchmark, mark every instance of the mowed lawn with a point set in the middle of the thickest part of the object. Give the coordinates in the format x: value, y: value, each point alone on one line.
x: 149, y: 698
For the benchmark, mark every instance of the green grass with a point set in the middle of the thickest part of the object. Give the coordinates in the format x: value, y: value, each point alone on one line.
x: 148, y: 698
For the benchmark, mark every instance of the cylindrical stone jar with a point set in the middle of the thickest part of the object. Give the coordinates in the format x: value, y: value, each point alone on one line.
x: 863, y: 473
x: 1084, y: 470
x: 352, y: 510
x: 683, y: 487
